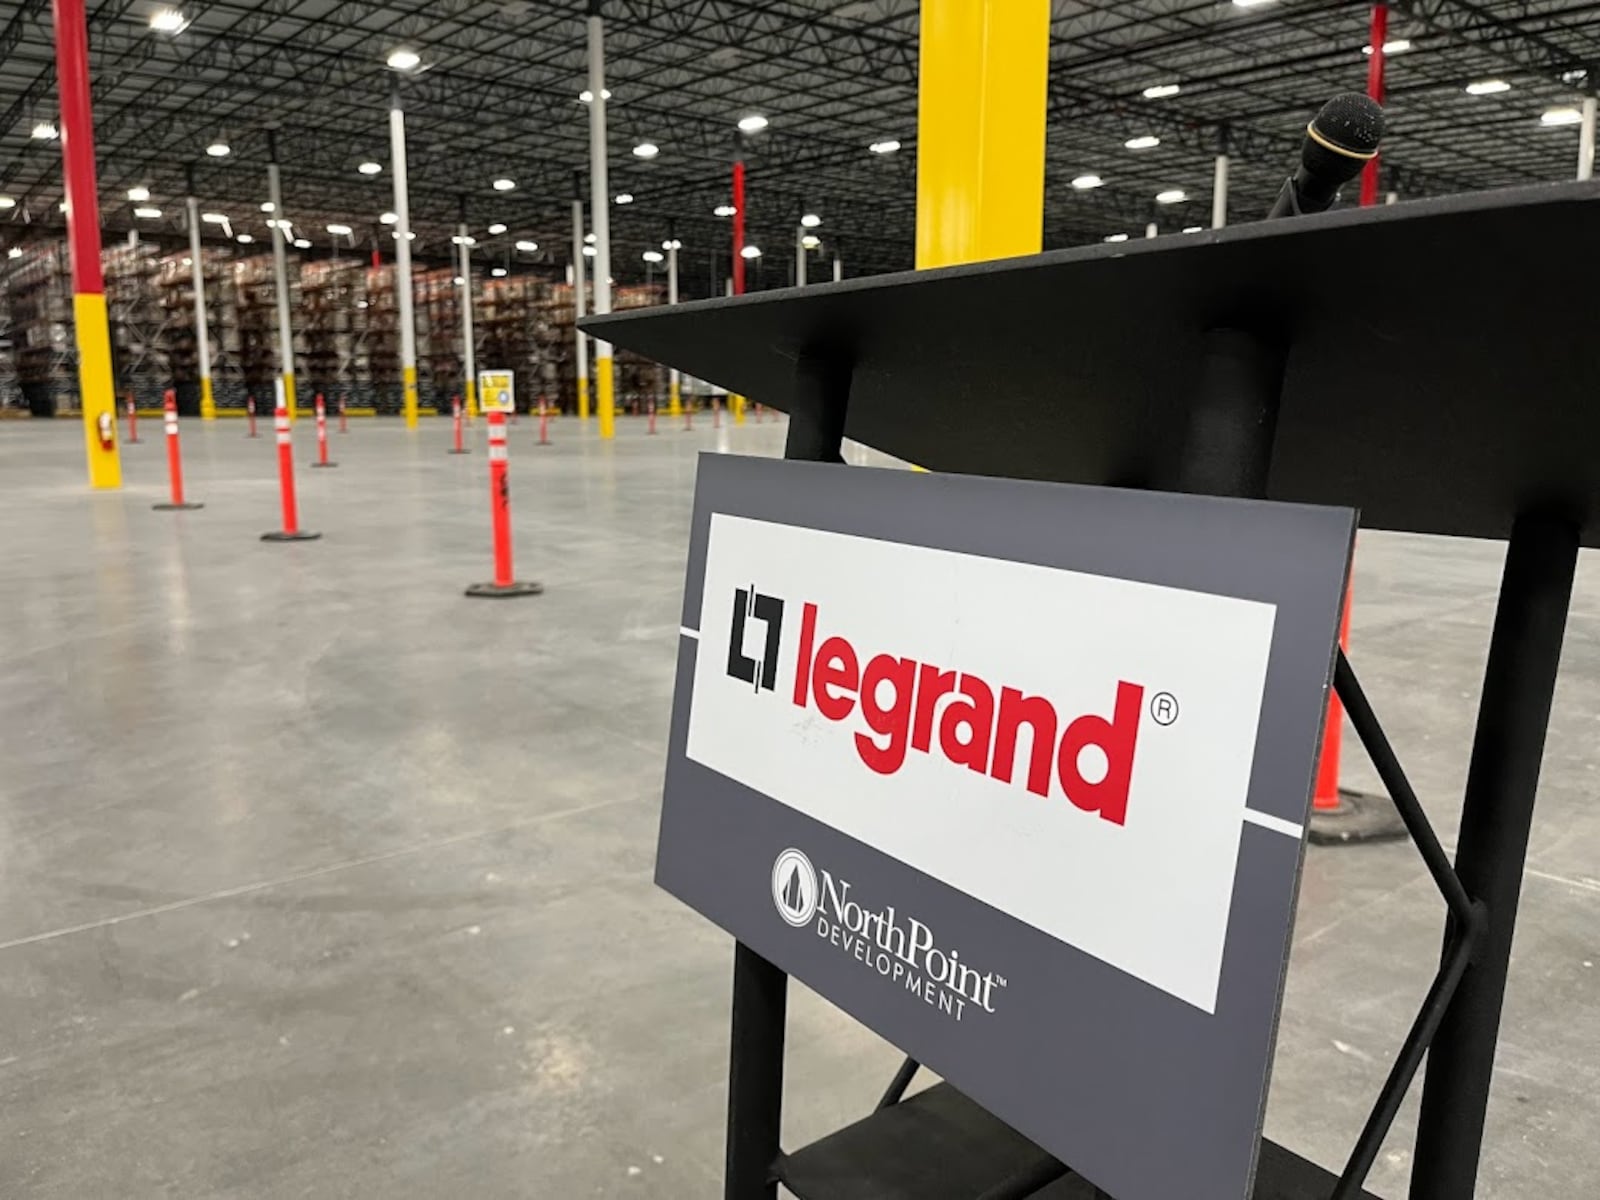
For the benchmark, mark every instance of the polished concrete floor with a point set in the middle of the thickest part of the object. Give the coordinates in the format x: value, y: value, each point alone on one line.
x: 318, y: 879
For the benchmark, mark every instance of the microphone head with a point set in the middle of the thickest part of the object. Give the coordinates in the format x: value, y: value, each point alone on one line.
x: 1341, y: 139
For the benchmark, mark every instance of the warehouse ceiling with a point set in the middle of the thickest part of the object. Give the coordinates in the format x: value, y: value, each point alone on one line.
x: 496, y: 96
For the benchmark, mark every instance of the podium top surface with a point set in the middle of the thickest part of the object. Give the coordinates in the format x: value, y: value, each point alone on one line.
x: 1438, y: 371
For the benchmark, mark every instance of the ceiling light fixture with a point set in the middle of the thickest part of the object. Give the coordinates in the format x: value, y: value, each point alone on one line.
x: 214, y: 218
x: 653, y: 256
x: 888, y: 147
x: 404, y: 59
x: 504, y: 185
x: 267, y: 206
x: 754, y: 123
x: 810, y: 221
x: 14, y: 252
x: 1554, y: 117
x: 496, y: 229
x: 1253, y: 3
x: 646, y: 150
x: 219, y: 149
x: 527, y: 247
x: 1086, y: 183
x: 1161, y: 91
x: 168, y: 20
x: 624, y: 198
x: 339, y: 230
x: 1392, y: 46
x: 1116, y: 237
x: 147, y: 214
x: 589, y: 239
x: 811, y: 241
x: 587, y: 97
x: 724, y: 210
x: 45, y: 131
x: 1487, y: 87
x: 750, y: 252
x: 388, y: 218
x: 1193, y: 228
x: 244, y: 239
x: 302, y: 243
x: 589, y: 251
x: 1148, y: 141
x: 138, y: 194
x: 371, y: 168
x: 498, y: 272
x: 8, y: 201
x: 1172, y: 196
x: 672, y: 244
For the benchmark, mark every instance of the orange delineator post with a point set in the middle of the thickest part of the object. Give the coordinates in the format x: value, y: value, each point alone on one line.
x: 291, y: 531
x: 344, y: 421
x: 652, y: 415
x: 455, y: 410
x: 544, y: 423
x: 174, y: 456
x: 250, y: 411
x: 1326, y: 797
x: 505, y: 584
x: 322, y: 435
x: 133, y: 421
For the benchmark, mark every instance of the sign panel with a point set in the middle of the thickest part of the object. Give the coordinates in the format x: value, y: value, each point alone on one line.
x: 497, y: 390
x: 1017, y: 774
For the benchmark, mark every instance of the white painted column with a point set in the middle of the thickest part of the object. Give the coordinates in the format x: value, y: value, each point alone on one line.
x: 1219, y: 194
x: 580, y: 306
x: 280, y: 275
x: 202, y: 335
x: 674, y: 380
x: 469, y: 350
x: 1586, y: 140
x: 402, y: 262
x: 600, y: 216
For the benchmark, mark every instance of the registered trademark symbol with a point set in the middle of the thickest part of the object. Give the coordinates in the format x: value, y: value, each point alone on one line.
x: 1163, y: 708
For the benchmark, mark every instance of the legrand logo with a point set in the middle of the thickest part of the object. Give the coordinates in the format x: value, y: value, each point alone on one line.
x: 899, y: 948
x: 906, y: 704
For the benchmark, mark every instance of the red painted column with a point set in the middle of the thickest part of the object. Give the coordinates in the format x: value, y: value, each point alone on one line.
x: 1375, y: 65
x: 93, y: 334
x: 738, y: 228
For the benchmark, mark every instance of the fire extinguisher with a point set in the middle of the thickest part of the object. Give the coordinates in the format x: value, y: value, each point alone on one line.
x: 108, y: 432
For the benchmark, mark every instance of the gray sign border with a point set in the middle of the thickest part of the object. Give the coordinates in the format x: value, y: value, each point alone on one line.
x: 1142, y: 1094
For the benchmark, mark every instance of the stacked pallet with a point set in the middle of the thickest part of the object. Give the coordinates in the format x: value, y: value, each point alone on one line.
x: 141, y: 364
x: 640, y: 381
x: 256, y: 299
x: 335, y: 304
x: 175, y: 288
x: 10, y: 387
x: 39, y: 289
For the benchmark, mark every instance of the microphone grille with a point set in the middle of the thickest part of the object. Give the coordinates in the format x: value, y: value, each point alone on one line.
x: 1351, y: 123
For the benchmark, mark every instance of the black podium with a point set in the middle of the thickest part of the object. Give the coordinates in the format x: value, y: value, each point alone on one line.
x: 1422, y: 363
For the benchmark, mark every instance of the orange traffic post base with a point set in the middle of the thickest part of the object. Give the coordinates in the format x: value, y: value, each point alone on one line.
x: 455, y: 409
x: 291, y: 531
x: 250, y: 412
x: 322, y: 435
x: 1342, y: 815
x: 169, y: 408
x: 133, y: 422
x: 505, y: 584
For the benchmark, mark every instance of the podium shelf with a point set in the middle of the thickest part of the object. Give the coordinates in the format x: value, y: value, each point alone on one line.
x: 939, y: 1145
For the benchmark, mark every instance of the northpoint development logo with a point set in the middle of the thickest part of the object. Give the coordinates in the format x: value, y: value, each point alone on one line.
x: 899, y: 948
x: 905, y: 704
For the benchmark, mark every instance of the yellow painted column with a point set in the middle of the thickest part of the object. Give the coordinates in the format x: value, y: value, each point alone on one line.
x: 606, y: 397
x: 96, y: 392
x: 472, y: 398
x: 980, y: 129
x: 736, y: 402
x: 583, y: 398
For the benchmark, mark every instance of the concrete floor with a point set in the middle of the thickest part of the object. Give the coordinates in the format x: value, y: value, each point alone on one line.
x: 318, y: 879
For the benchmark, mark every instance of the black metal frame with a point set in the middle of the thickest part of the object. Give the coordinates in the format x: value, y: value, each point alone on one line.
x: 1226, y: 451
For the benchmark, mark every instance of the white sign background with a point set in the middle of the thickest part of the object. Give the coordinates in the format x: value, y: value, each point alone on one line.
x: 1150, y: 897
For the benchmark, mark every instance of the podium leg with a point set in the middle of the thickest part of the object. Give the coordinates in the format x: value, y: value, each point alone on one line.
x: 1513, y: 716
x: 755, y: 1077
x: 816, y: 415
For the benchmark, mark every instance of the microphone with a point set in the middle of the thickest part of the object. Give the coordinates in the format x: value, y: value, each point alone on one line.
x: 1341, y: 139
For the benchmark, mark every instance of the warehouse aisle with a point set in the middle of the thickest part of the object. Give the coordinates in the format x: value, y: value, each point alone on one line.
x: 319, y: 879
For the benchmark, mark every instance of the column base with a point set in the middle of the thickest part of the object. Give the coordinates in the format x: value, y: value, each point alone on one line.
x: 463, y: 450
x: 324, y: 464
x: 1360, y: 817
x: 495, y: 591
x: 299, y: 535
x: 175, y: 507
